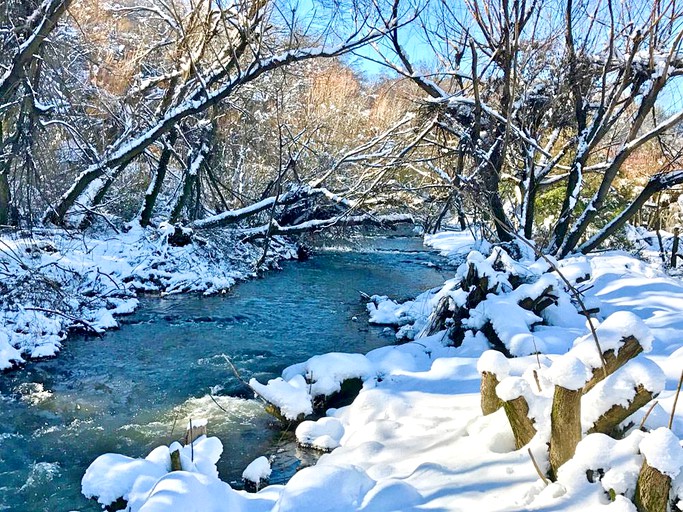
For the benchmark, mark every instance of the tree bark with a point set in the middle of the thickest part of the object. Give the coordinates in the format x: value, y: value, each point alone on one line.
x: 606, y: 423
x: 652, y: 490
x: 565, y: 427
x: 523, y: 429
x: 490, y: 402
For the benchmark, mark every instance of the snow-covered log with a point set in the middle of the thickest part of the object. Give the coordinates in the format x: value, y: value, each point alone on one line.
x: 631, y: 348
x: 318, y: 224
x: 233, y: 216
x: 606, y: 423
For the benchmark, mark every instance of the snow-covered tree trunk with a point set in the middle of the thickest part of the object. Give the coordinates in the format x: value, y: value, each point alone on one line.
x: 652, y: 490
x: 565, y: 426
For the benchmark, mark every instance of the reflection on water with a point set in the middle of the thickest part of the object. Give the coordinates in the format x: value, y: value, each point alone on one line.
x: 137, y: 387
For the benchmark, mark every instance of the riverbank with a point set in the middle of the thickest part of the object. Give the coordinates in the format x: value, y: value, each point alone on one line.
x: 53, y: 282
x: 416, y: 439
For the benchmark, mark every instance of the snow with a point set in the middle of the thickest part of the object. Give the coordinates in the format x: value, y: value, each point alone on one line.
x: 257, y: 470
x: 291, y: 396
x: 415, y: 439
x: 570, y: 373
x: 492, y: 361
x: 662, y: 451
x: 324, y: 434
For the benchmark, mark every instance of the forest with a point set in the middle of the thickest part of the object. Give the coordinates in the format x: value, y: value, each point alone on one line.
x: 162, y: 150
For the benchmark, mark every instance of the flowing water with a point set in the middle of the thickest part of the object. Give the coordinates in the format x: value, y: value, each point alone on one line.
x: 136, y: 388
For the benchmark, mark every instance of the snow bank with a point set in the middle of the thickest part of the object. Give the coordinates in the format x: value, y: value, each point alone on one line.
x: 60, y: 283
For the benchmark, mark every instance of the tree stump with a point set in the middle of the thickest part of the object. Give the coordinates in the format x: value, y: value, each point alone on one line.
x: 517, y: 411
x: 565, y: 427
x: 193, y: 432
x: 490, y: 402
x: 652, y: 490
x: 175, y: 461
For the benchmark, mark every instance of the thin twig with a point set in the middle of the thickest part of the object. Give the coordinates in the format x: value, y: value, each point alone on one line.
x: 647, y: 415
x: 217, y: 404
x: 191, y: 442
x: 538, y: 470
x: 678, y: 392
x: 244, y: 382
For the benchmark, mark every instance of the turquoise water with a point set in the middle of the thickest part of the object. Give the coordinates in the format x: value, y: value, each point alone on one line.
x: 137, y: 387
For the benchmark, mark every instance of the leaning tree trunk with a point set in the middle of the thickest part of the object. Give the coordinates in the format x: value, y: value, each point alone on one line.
x: 5, y: 197
x: 189, y: 182
x: 517, y: 411
x: 157, y: 180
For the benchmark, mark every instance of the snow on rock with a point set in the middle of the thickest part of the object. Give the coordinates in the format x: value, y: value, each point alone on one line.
x: 493, y: 361
x: 323, y: 375
x: 384, y: 311
x: 182, y: 490
x: 391, y: 495
x: 291, y: 396
x: 257, y: 470
x: 324, y: 434
x: 568, y: 372
x: 662, y: 450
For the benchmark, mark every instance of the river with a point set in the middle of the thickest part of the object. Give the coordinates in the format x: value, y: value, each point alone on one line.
x: 135, y: 388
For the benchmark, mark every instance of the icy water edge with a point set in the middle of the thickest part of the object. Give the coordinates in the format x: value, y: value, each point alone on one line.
x: 136, y: 387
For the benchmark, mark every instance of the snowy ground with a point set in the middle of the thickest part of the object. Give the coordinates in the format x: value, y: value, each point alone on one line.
x: 52, y: 282
x: 415, y: 438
